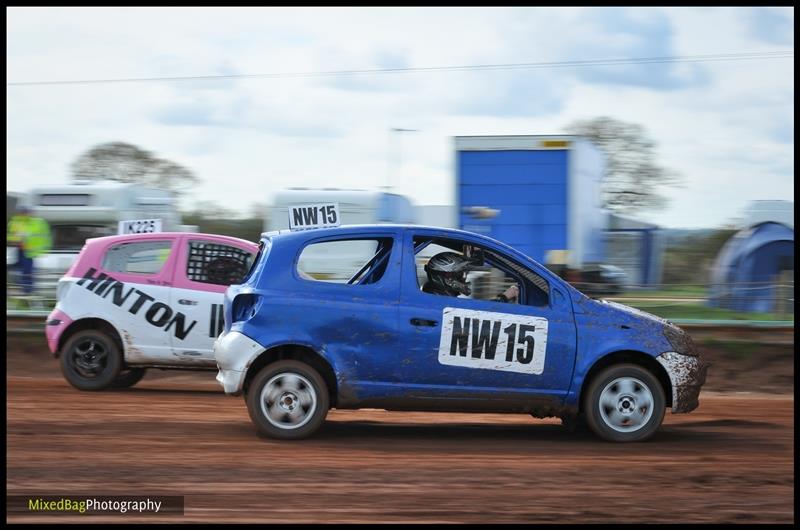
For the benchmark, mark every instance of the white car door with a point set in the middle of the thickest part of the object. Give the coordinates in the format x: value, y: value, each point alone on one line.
x: 206, y: 266
x: 130, y: 289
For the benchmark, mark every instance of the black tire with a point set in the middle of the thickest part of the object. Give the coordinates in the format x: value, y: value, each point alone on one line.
x: 574, y: 423
x: 91, y: 360
x: 624, y: 403
x: 300, y: 397
x: 128, y: 378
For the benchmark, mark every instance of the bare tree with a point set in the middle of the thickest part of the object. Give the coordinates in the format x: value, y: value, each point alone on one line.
x: 213, y: 210
x: 633, y: 180
x: 259, y: 209
x: 211, y: 218
x: 124, y: 162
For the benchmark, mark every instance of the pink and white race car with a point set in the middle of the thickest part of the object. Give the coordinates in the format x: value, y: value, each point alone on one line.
x: 135, y: 301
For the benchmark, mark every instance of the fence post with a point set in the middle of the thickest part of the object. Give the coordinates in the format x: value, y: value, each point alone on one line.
x: 784, y: 293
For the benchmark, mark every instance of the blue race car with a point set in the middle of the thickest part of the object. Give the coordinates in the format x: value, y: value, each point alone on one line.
x: 431, y: 319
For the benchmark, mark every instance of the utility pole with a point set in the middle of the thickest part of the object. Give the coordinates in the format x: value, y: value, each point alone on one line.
x: 392, y: 135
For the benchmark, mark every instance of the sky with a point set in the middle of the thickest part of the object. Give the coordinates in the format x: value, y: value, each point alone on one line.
x: 726, y: 126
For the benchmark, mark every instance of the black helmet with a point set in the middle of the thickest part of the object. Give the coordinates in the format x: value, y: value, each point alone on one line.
x: 448, y: 272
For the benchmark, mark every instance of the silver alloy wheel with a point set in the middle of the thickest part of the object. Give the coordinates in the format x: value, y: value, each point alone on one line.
x: 626, y: 404
x: 288, y: 400
x: 89, y: 357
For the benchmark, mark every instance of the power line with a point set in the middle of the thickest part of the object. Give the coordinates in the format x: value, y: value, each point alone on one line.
x: 745, y: 56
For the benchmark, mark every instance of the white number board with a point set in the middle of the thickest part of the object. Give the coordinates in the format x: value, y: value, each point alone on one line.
x: 493, y: 341
x: 140, y: 226
x: 305, y: 216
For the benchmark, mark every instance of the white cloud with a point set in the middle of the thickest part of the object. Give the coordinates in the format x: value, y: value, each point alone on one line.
x: 722, y: 124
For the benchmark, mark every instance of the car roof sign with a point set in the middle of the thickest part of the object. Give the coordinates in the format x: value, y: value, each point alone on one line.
x: 310, y: 216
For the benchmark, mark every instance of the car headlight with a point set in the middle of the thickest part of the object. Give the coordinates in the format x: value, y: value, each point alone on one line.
x: 680, y: 341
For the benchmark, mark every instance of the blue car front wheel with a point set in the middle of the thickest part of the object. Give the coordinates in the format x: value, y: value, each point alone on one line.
x: 624, y: 403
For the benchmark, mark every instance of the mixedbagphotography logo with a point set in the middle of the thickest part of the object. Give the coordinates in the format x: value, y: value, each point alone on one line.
x: 94, y: 505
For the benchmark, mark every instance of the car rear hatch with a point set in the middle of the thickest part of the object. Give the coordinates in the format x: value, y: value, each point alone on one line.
x: 241, y: 302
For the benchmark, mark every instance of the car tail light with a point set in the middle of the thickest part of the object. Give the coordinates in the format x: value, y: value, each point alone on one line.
x: 245, y: 307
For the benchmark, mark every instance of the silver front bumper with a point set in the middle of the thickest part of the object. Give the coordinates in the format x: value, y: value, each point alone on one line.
x: 687, y: 374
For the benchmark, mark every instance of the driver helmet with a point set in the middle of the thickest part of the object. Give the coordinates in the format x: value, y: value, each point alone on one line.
x: 448, y: 272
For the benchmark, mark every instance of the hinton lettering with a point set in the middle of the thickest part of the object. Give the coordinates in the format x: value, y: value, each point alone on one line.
x: 157, y: 314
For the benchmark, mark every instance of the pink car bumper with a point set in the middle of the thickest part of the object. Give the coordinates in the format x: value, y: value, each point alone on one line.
x: 56, y: 323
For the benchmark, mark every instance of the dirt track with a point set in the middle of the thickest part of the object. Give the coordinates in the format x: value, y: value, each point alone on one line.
x: 176, y: 434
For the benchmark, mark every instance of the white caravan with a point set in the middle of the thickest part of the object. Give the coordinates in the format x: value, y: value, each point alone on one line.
x: 83, y: 210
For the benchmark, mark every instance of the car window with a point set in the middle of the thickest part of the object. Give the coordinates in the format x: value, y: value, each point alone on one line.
x: 493, y: 276
x: 217, y: 263
x: 143, y: 257
x: 350, y: 261
x: 263, y: 250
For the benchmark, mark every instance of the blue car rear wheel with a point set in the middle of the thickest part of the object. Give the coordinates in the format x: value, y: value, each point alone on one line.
x: 288, y: 400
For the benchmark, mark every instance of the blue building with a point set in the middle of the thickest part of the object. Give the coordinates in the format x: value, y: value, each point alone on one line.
x: 747, y: 267
x: 539, y: 194
x: 637, y: 247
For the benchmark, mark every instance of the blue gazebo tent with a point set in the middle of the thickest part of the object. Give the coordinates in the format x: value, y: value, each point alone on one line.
x: 746, y: 269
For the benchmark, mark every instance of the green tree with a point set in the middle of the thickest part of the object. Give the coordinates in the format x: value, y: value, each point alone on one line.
x: 633, y: 180
x: 125, y: 162
x: 690, y: 261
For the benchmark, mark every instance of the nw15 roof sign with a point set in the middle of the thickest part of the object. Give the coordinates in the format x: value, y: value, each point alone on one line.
x: 307, y: 216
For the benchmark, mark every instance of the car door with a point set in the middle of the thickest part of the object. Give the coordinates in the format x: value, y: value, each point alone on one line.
x: 350, y: 307
x: 464, y: 348
x: 205, y: 267
x: 130, y: 289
